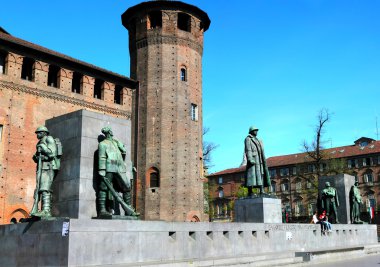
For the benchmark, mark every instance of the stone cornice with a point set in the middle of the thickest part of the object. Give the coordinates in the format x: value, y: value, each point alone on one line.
x: 157, y: 39
x: 64, y: 98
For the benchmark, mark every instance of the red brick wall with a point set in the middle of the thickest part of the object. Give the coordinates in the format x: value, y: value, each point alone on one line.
x: 24, y: 105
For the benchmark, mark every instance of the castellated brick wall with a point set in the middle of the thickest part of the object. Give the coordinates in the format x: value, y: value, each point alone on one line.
x: 170, y: 138
x: 24, y: 105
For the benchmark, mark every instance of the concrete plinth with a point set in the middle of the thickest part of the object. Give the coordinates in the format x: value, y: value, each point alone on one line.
x: 81, y: 242
x: 258, y: 210
x: 343, y: 184
x: 74, y: 188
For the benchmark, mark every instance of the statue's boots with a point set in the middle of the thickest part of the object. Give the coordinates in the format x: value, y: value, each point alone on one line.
x: 127, y: 197
x: 102, y: 199
x: 46, y: 205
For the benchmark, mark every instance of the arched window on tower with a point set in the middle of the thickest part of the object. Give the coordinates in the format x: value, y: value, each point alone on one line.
x: 153, y: 177
x: 184, y: 22
x: 155, y: 20
x: 183, y: 74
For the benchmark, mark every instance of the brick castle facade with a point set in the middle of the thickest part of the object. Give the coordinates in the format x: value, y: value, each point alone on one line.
x: 163, y: 98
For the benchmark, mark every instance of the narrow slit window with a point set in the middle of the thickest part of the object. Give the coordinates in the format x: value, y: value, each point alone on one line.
x: 183, y: 75
x: 76, y: 85
x: 194, y: 112
x: 1, y: 132
x: 53, y: 76
x: 27, y: 69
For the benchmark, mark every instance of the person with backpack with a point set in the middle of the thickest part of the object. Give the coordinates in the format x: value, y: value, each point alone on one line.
x: 47, y: 158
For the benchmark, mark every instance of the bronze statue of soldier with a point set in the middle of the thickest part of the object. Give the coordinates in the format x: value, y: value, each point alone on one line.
x: 355, y: 202
x: 257, y: 174
x: 113, y: 173
x: 48, y: 164
x: 330, y: 201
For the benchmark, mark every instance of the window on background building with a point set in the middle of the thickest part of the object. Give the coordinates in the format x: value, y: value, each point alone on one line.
x: 221, y: 193
x: 27, y: 69
x: 363, y: 143
x: 272, y: 173
x: 298, y: 186
x: 3, y: 56
x: 76, y: 85
x: 220, y: 180
x: 273, y: 187
x: 294, y: 170
x: 284, y: 172
x: 312, y: 207
x: 322, y: 167
x: 194, y: 112
x: 298, y: 208
x: 118, y: 95
x: 308, y: 185
x: 371, y: 201
x: 184, y: 22
x: 356, y: 161
x: 98, y: 91
x: 183, y: 75
x: 368, y: 177
x: 350, y: 163
x: 154, y: 20
x: 311, y: 168
x: 285, y: 187
x: 53, y: 76
x: 367, y: 162
x: 1, y: 132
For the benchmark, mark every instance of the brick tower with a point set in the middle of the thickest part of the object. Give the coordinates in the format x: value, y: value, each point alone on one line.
x: 166, y: 46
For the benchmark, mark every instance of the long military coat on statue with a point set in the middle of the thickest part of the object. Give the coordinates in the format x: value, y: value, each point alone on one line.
x: 257, y: 173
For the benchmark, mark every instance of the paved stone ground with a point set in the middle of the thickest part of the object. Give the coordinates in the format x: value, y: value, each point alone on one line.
x: 368, y: 261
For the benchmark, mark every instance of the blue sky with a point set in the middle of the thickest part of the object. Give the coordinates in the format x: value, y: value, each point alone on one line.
x: 269, y: 63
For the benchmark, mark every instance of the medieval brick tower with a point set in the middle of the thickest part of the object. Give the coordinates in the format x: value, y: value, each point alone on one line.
x: 166, y: 46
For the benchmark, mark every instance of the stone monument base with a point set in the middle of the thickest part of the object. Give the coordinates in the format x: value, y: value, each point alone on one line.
x: 85, y: 242
x: 258, y: 210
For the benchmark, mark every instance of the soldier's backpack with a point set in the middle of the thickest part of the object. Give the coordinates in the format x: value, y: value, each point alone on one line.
x: 57, y: 158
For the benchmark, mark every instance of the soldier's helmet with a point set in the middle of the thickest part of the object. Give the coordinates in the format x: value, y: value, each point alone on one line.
x: 327, y: 184
x: 42, y: 129
x: 253, y: 128
x: 106, y: 130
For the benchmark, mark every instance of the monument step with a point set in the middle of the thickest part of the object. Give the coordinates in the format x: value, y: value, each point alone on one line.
x: 260, y: 260
x: 372, y: 249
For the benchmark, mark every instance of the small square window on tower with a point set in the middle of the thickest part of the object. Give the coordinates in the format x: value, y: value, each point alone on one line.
x: 194, y: 112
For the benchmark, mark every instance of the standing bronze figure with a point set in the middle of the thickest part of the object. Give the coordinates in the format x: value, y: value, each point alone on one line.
x: 257, y: 174
x: 47, y: 158
x: 113, y: 173
x: 355, y: 202
x: 330, y: 201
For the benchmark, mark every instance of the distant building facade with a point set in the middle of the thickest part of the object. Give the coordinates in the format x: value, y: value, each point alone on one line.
x: 293, y: 179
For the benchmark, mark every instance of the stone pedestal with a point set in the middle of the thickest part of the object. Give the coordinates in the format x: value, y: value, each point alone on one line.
x: 86, y: 242
x: 74, y: 189
x: 343, y: 184
x: 258, y: 210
